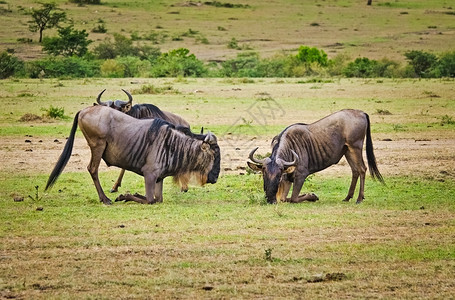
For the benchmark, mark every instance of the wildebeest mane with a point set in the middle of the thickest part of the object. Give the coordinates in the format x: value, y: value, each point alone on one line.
x: 141, y: 111
x: 278, y: 139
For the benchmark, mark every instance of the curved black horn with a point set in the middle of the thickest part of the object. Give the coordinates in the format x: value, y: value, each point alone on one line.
x: 291, y: 163
x: 129, y: 96
x: 251, y: 156
x: 98, y: 99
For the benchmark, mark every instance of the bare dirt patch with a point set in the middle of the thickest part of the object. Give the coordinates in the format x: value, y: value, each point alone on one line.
x: 433, y: 158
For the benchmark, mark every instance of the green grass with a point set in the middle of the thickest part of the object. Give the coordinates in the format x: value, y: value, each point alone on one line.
x: 222, y: 240
x: 215, y: 237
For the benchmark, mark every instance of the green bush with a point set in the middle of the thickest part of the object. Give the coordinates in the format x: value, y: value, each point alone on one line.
x: 54, y: 112
x: 244, y: 65
x: 69, y: 42
x: 312, y: 55
x: 112, y: 68
x: 422, y: 62
x: 10, y: 65
x: 71, y: 67
x: 134, y: 66
x: 445, y: 67
x: 176, y: 63
x: 361, y: 67
x: 122, y: 46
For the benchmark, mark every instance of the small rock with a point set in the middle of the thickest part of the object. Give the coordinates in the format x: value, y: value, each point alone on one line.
x: 18, y: 199
x: 39, y: 208
x: 28, y: 141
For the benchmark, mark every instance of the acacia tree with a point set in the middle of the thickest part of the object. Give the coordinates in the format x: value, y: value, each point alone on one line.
x: 45, y: 17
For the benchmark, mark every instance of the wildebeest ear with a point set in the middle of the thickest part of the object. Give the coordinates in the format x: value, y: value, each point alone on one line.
x: 205, y: 146
x: 289, y: 170
x: 254, y: 167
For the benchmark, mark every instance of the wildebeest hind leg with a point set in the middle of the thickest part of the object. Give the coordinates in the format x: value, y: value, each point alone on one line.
x: 97, y: 152
x: 355, y: 160
x: 118, y: 183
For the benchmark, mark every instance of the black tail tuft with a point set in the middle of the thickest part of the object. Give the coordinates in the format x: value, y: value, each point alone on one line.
x: 374, y: 171
x: 64, y: 157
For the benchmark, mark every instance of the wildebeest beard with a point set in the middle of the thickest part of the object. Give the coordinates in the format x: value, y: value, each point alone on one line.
x: 272, y: 178
x: 182, y: 156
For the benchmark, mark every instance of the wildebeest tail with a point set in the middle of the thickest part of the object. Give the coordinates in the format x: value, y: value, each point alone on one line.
x: 372, y: 166
x: 64, y: 157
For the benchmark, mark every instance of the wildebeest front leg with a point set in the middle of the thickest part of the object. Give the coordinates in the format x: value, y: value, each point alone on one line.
x: 295, y: 197
x: 118, y: 183
x: 97, y: 152
x: 150, y: 183
x: 159, y: 191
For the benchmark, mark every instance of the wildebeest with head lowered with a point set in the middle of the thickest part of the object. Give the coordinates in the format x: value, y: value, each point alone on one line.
x: 152, y: 148
x: 301, y: 150
x: 140, y: 111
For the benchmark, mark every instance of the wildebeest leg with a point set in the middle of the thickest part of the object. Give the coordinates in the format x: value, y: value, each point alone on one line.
x: 355, y: 160
x: 295, y: 198
x: 150, y: 183
x: 159, y: 191
x: 97, y: 153
x: 283, y: 190
x: 118, y: 183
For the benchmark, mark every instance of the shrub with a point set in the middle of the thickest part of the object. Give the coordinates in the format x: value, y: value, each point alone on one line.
x: 54, y: 112
x: 71, y: 67
x: 122, y: 46
x: 69, y: 42
x: 10, y: 65
x: 113, y: 69
x: 361, y: 67
x: 445, y: 67
x: 421, y: 61
x: 134, y: 66
x: 176, y: 63
x: 312, y: 55
x: 245, y: 65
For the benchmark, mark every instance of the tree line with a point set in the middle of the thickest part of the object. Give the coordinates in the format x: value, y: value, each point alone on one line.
x: 69, y: 57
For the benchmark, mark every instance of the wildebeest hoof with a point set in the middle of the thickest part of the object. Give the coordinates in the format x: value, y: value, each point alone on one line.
x: 113, y: 190
x: 106, y: 201
x: 311, y: 197
x: 120, y: 198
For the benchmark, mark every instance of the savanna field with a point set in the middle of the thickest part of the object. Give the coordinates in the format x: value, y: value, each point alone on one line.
x: 223, y: 240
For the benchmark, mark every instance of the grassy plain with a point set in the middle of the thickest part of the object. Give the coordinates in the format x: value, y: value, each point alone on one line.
x: 385, y: 29
x: 221, y: 241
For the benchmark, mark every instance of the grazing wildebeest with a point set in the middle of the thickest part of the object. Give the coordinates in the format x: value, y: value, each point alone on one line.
x: 152, y: 148
x: 140, y: 111
x: 301, y: 150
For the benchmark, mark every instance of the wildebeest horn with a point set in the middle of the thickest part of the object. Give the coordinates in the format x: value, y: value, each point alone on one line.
x: 98, y: 99
x: 210, y: 138
x: 291, y: 163
x: 129, y: 96
x: 251, y: 156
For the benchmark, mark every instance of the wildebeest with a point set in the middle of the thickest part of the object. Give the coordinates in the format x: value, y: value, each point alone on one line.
x: 140, y: 111
x: 152, y: 148
x: 301, y: 150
